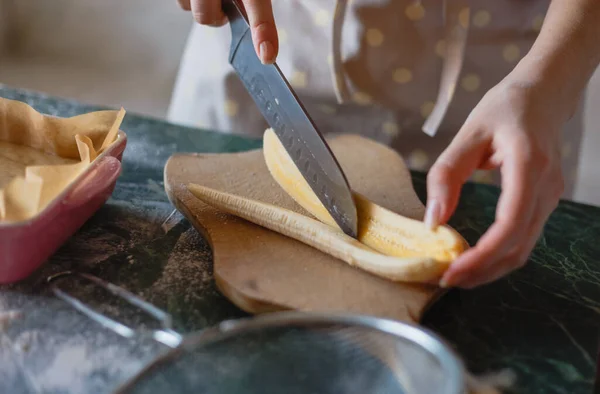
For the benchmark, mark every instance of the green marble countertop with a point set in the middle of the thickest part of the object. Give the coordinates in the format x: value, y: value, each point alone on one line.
x: 541, y: 322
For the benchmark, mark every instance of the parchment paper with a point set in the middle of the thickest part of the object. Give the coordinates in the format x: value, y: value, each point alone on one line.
x: 41, y: 155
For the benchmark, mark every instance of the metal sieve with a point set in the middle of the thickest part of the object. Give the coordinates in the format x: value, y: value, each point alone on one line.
x: 284, y: 352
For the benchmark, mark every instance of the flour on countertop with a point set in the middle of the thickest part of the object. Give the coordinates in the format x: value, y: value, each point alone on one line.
x: 186, y: 278
x: 7, y: 317
x: 190, y: 264
x: 73, y: 367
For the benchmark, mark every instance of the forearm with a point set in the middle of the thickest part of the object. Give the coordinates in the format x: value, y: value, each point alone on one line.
x: 566, y: 52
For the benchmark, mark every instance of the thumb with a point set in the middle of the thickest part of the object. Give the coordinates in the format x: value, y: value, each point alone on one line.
x: 449, y: 173
x: 264, y: 32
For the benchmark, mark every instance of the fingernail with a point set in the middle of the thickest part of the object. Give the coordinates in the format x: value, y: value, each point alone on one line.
x: 432, y: 214
x: 266, y: 52
x: 445, y: 280
x: 219, y: 22
x: 204, y: 18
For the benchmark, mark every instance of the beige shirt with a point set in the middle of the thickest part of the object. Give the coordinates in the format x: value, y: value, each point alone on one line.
x: 372, y: 67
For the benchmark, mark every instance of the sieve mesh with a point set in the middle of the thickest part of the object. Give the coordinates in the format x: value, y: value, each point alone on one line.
x: 299, y: 359
x: 280, y: 353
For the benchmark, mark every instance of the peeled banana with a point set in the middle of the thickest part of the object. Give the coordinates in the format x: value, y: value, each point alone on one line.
x: 388, y: 245
x: 379, y: 228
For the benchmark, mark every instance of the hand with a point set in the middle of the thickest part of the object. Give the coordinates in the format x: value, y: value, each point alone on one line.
x: 260, y: 17
x: 517, y: 128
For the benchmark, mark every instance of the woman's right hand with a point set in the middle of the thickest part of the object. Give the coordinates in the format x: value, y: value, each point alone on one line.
x: 260, y: 17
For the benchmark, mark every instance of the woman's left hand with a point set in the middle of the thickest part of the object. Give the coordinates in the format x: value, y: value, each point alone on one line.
x: 515, y: 127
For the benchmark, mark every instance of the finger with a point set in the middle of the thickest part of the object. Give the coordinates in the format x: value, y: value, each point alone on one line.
x: 513, y: 215
x: 185, y: 4
x: 490, y: 274
x: 546, y: 206
x: 264, y: 32
x: 450, y: 172
x: 207, y: 12
x: 517, y: 258
x: 551, y: 187
x: 220, y: 22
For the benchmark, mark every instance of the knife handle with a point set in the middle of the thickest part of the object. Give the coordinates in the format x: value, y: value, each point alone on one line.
x: 235, y: 8
x: 238, y: 22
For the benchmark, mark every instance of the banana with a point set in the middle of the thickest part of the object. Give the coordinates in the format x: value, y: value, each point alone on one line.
x: 389, y: 245
x: 321, y: 236
x: 381, y: 229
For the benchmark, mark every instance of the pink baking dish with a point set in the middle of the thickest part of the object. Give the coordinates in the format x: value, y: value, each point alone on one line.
x: 25, y: 246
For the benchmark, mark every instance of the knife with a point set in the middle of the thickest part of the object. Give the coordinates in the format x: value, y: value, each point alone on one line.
x: 286, y: 115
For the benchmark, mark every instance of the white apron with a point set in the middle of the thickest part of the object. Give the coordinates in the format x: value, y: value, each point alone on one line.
x: 376, y: 68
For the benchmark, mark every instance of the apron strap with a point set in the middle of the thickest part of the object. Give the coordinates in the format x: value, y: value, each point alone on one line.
x: 457, y: 21
x: 340, y: 85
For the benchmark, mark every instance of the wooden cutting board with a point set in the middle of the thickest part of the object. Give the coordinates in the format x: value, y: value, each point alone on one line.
x: 262, y: 271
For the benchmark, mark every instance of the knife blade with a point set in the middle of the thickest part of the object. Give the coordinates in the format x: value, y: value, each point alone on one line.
x: 286, y: 115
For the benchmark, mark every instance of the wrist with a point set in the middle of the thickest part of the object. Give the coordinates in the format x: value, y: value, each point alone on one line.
x: 550, y: 82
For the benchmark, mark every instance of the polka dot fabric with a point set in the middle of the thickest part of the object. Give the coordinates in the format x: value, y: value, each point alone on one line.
x: 391, y: 55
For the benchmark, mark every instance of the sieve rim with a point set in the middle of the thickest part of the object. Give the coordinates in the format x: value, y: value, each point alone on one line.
x: 450, y: 365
